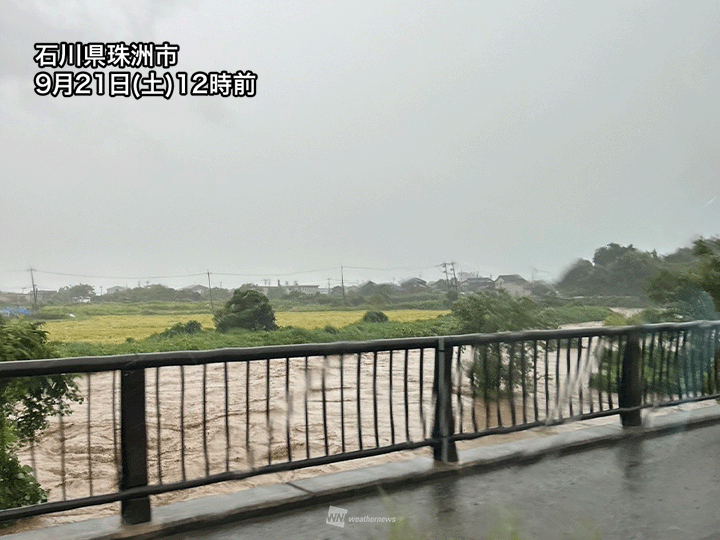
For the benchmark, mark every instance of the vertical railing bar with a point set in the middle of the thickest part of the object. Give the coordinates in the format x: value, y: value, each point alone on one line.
x: 307, y: 418
x: 473, y: 387
x: 535, y: 378
x: 390, y: 398
x: 686, y: 364
x: 204, y: 418
x: 33, y: 462
x: 511, y: 382
x: 706, y: 354
x: 134, y: 442
x: 568, y: 378
x: 182, y: 422
x: 523, y: 382
x: 268, y: 424
x: 714, y: 358
x: 115, y: 427
x: 407, y: 403
x: 694, y: 364
x: 248, y: 451
x: 444, y: 449
x: 459, y: 378
x: 651, y: 362
x: 676, y: 364
x: 89, y: 440
x: 158, y: 432
x: 609, y: 371
x: 324, y: 407
x: 342, y: 402
x: 578, y: 374
x: 691, y: 362
x: 227, y: 416
x: 590, y: 363
x: 486, y: 384
x: 663, y: 359
x: 62, y: 455
x: 547, y: 378
x: 288, y: 406
x: 422, y: 409
x: 557, y: 380
x: 375, y: 403
x: 643, y: 361
x: 359, y: 401
x: 601, y: 364
x: 499, y: 389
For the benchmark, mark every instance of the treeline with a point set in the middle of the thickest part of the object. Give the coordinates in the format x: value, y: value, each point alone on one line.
x: 685, y: 285
x: 617, y: 270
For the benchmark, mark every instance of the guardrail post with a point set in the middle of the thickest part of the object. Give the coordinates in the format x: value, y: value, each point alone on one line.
x: 630, y: 389
x: 133, y: 445
x: 443, y: 424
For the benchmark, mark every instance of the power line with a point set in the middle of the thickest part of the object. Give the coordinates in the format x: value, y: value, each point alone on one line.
x: 231, y: 274
x: 391, y: 269
x: 275, y: 275
x: 117, y: 277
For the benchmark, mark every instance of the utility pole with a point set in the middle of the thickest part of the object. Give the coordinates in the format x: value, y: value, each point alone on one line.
x: 447, y: 279
x: 342, y: 282
x: 32, y: 279
x: 212, y: 306
x: 454, y: 276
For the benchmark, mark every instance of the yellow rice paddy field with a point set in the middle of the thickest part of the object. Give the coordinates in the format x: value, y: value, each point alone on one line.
x: 114, y: 329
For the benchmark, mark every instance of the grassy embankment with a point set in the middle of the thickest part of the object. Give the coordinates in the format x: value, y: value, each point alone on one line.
x: 105, y: 329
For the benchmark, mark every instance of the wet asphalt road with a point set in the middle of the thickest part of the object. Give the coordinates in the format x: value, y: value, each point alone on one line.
x: 656, y: 488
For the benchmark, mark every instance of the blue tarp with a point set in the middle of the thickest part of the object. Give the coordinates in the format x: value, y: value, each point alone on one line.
x: 14, y: 311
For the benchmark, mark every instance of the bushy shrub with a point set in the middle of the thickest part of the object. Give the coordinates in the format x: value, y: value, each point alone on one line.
x: 247, y: 309
x: 374, y: 317
x: 180, y: 329
x: 25, y: 405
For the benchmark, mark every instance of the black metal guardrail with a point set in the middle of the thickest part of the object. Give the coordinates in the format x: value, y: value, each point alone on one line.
x: 172, y: 421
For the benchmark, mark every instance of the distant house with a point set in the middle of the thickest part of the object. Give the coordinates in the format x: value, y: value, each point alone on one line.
x: 414, y: 284
x: 305, y: 289
x: 514, y: 284
x: 43, y: 295
x: 195, y: 288
x: 336, y: 291
x: 475, y: 284
x: 113, y: 290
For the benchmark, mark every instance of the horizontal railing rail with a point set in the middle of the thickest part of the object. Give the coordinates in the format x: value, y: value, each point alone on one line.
x: 156, y: 423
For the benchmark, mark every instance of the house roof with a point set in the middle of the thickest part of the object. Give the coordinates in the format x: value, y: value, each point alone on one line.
x: 511, y: 278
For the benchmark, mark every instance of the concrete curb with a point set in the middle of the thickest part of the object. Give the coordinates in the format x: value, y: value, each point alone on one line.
x: 268, y: 500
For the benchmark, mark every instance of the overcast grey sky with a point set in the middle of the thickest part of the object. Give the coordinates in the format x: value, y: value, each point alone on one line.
x: 500, y: 135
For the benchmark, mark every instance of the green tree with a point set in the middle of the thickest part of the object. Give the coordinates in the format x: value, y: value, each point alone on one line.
x: 692, y: 292
x: 247, y: 309
x: 496, y: 369
x: 578, y: 278
x: 67, y: 294
x: 707, y: 271
x: 26, y: 403
x: 497, y: 311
